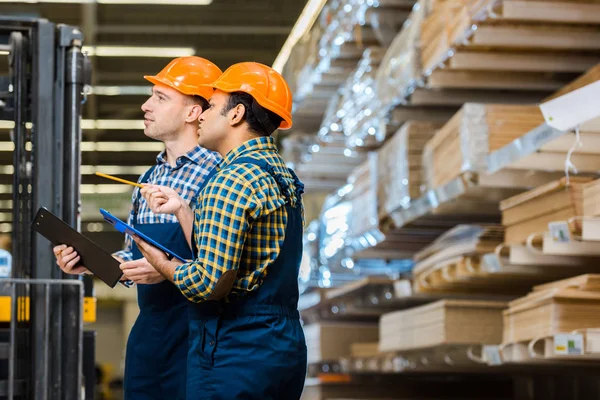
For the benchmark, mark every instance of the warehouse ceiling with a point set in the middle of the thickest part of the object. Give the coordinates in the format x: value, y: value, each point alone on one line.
x: 224, y: 31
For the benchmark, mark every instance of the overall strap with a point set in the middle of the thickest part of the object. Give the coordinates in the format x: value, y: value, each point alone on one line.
x: 136, y: 203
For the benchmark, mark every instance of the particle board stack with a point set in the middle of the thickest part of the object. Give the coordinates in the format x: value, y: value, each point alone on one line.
x: 537, y: 45
x: 558, y: 307
x: 591, y: 199
x: 399, y: 164
x: 329, y: 341
x: 532, y: 211
x: 364, y: 198
x: 463, y: 143
x: 358, y: 98
x: 591, y: 76
x: 446, y: 322
x: 456, y: 263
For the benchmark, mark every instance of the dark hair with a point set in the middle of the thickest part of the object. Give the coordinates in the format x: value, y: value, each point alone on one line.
x: 255, y: 125
x: 201, y: 101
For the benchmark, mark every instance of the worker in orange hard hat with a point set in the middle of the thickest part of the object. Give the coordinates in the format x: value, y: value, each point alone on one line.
x: 158, y: 344
x: 246, y: 341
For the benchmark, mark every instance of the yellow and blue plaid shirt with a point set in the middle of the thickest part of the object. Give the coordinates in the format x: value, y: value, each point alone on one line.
x: 239, y: 223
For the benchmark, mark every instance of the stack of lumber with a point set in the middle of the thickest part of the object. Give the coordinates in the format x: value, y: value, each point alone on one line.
x: 455, y: 263
x: 399, y: 164
x: 329, y: 341
x: 535, y: 45
x: 446, y: 322
x: 385, y: 17
x: 331, y: 125
x: 364, y: 350
x: 364, y: 198
x: 591, y: 199
x: 463, y: 143
x: 591, y: 76
x: 590, y: 223
x: 531, y: 212
x: 358, y: 98
x: 558, y: 307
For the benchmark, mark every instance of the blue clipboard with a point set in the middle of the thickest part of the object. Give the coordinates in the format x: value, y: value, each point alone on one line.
x: 124, y: 228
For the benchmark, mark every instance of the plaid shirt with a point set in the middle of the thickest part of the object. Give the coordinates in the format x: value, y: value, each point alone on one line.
x: 186, y: 178
x: 239, y: 224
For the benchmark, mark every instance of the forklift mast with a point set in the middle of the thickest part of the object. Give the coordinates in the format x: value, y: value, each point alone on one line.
x: 42, y: 345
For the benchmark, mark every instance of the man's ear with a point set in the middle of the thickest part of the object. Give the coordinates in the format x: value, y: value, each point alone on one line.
x: 236, y: 115
x: 193, y: 113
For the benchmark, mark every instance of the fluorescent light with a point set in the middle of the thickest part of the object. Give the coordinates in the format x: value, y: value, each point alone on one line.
x: 105, y: 188
x: 307, y: 18
x: 4, y: 52
x: 136, y: 51
x: 138, y: 2
x: 122, y: 146
x: 157, y: 2
x: 112, y: 169
x: 119, y: 124
x: 121, y: 90
x: 90, y: 124
x: 112, y: 124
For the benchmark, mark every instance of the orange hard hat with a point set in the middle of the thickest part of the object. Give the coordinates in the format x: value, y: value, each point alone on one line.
x: 188, y: 75
x: 264, y: 84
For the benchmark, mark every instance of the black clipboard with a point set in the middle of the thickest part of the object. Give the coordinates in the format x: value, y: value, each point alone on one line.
x: 99, y: 262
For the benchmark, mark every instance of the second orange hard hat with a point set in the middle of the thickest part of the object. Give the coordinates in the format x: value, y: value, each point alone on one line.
x: 263, y: 83
x: 188, y: 75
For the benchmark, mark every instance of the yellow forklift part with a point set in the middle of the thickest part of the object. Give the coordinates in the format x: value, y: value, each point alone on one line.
x: 89, y: 308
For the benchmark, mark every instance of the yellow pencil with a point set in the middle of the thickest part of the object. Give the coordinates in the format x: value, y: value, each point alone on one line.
x: 114, y: 178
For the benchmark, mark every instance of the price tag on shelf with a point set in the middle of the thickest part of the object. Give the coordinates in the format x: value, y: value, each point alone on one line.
x: 568, y: 344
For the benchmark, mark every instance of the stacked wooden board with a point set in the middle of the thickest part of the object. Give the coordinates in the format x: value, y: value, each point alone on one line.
x: 458, y: 262
x: 591, y: 199
x: 463, y: 143
x: 558, y: 307
x: 329, y: 341
x: 399, y: 164
x: 358, y: 97
x: 531, y: 212
x: 478, y: 39
x: 363, y: 198
x: 446, y: 322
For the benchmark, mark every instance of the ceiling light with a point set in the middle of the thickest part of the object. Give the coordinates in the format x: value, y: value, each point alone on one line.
x: 90, y: 124
x: 157, y: 2
x: 307, y: 18
x: 113, y: 169
x: 137, y: 51
x: 120, y: 90
x: 134, y: 2
x: 122, y: 146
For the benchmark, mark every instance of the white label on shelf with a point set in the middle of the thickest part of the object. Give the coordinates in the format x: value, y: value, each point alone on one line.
x: 559, y: 231
x: 491, y: 354
x: 568, y: 344
x: 491, y: 263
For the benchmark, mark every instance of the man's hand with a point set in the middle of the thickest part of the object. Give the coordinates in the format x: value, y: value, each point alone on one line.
x: 67, y: 258
x: 157, y: 258
x: 162, y: 199
x: 140, y: 271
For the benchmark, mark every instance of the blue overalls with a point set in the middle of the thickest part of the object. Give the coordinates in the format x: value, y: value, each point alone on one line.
x: 156, y: 355
x: 253, y: 347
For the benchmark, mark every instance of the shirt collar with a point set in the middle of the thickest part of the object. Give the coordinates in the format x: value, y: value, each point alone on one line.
x: 196, y: 156
x: 259, y: 144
